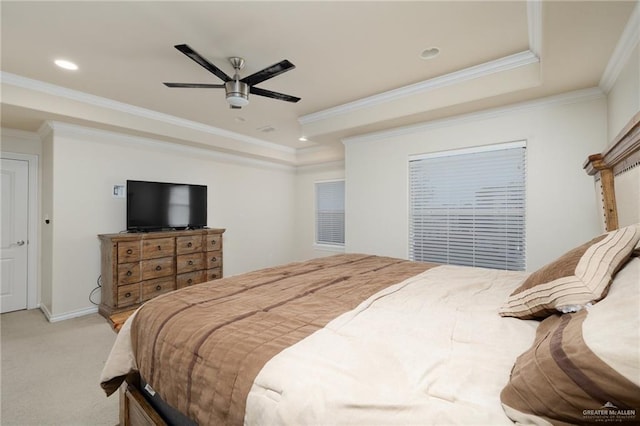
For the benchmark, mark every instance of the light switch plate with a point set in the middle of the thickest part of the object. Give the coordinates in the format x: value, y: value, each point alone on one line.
x: 118, y: 191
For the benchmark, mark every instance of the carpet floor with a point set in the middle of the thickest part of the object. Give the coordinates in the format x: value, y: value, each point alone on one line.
x: 50, y: 371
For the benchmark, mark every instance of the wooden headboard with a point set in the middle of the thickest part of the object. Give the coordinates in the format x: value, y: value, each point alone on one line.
x: 617, y: 168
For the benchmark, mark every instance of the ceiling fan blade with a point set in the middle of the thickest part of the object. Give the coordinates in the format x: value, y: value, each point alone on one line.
x: 269, y: 72
x: 271, y: 94
x: 203, y: 62
x: 195, y: 85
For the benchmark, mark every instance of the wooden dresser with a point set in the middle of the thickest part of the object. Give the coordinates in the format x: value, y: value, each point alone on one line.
x: 137, y: 267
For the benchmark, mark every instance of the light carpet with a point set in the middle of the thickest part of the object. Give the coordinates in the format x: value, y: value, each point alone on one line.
x: 50, y: 371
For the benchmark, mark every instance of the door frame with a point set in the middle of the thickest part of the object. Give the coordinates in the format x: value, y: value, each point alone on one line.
x: 33, y: 247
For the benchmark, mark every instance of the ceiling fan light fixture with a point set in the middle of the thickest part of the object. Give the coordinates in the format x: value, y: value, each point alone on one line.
x: 236, y: 100
x: 237, y: 93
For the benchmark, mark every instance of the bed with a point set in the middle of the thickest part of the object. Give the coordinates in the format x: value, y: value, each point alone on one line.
x: 372, y: 340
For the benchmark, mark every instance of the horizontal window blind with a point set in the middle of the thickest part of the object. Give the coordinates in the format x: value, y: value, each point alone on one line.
x: 468, y: 207
x: 330, y: 212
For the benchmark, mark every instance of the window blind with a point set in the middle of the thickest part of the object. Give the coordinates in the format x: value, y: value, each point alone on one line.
x: 330, y: 212
x: 467, y: 207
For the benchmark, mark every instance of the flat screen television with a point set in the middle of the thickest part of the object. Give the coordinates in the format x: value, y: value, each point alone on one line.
x: 153, y: 206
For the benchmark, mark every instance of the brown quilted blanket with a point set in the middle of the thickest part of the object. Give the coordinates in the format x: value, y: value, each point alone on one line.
x: 201, y: 348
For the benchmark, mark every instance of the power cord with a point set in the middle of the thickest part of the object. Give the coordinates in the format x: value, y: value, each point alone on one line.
x: 98, y: 281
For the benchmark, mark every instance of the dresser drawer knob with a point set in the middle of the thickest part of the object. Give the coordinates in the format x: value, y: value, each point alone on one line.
x: 158, y: 268
x: 158, y: 287
x: 189, y: 281
x: 213, y: 259
x: 129, y: 273
x: 191, y: 262
x: 189, y: 244
x: 130, y: 251
x: 213, y: 242
x: 159, y: 247
x: 127, y: 294
x: 214, y: 276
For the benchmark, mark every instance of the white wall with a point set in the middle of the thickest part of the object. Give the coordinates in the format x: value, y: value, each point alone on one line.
x: 20, y: 142
x: 621, y: 79
x: 623, y: 100
x: 305, y: 217
x: 46, y: 233
x: 252, y: 200
x: 561, y: 207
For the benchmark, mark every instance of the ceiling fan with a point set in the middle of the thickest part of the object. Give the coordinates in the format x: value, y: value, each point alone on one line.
x: 237, y: 89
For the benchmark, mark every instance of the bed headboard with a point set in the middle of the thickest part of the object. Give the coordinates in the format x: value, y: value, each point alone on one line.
x: 617, y: 176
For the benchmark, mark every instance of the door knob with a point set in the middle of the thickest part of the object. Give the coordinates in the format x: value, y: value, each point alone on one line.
x: 20, y: 243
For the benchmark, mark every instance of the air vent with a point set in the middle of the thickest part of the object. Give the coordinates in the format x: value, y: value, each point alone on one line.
x: 267, y: 129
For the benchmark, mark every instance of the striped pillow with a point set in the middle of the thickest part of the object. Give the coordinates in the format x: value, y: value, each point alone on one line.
x: 579, y: 277
x: 583, y: 367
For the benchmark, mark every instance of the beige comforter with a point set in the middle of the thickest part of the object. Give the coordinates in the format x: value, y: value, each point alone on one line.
x: 201, y: 348
x: 430, y: 350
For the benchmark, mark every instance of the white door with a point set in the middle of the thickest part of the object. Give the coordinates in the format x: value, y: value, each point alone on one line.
x: 14, y: 179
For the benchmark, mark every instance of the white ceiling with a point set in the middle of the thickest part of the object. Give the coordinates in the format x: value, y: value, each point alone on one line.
x: 358, y: 66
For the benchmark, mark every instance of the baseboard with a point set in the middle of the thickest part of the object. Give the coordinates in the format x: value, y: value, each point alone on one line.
x: 45, y: 311
x: 67, y: 315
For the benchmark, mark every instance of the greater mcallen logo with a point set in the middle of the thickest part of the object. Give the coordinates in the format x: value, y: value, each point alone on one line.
x: 609, y: 413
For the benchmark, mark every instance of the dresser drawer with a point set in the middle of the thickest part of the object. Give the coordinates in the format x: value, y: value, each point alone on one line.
x: 214, y: 242
x: 158, y: 247
x: 214, y: 274
x: 214, y: 259
x: 190, y: 278
x: 189, y: 244
x: 128, y: 273
x: 153, y: 288
x: 190, y: 262
x: 128, y: 251
x: 128, y: 295
x: 156, y: 268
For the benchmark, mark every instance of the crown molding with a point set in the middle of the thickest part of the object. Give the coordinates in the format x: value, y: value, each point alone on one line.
x: 534, y: 25
x: 75, y: 95
x: 19, y: 134
x: 321, y: 167
x: 45, y: 130
x: 313, y: 149
x: 503, y: 64
x: 319, y: 154
x: 628, y: 41
x: 583, y: 95
x: 107, y: 136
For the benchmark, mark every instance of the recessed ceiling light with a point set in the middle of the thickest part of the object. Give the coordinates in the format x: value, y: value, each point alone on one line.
x: 67, y: 65
x: 430, y: 53
x: 302, y: 139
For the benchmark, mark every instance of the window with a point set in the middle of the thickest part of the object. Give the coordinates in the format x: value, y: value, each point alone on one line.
x: 330, y: 212
x: 467, y: 207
